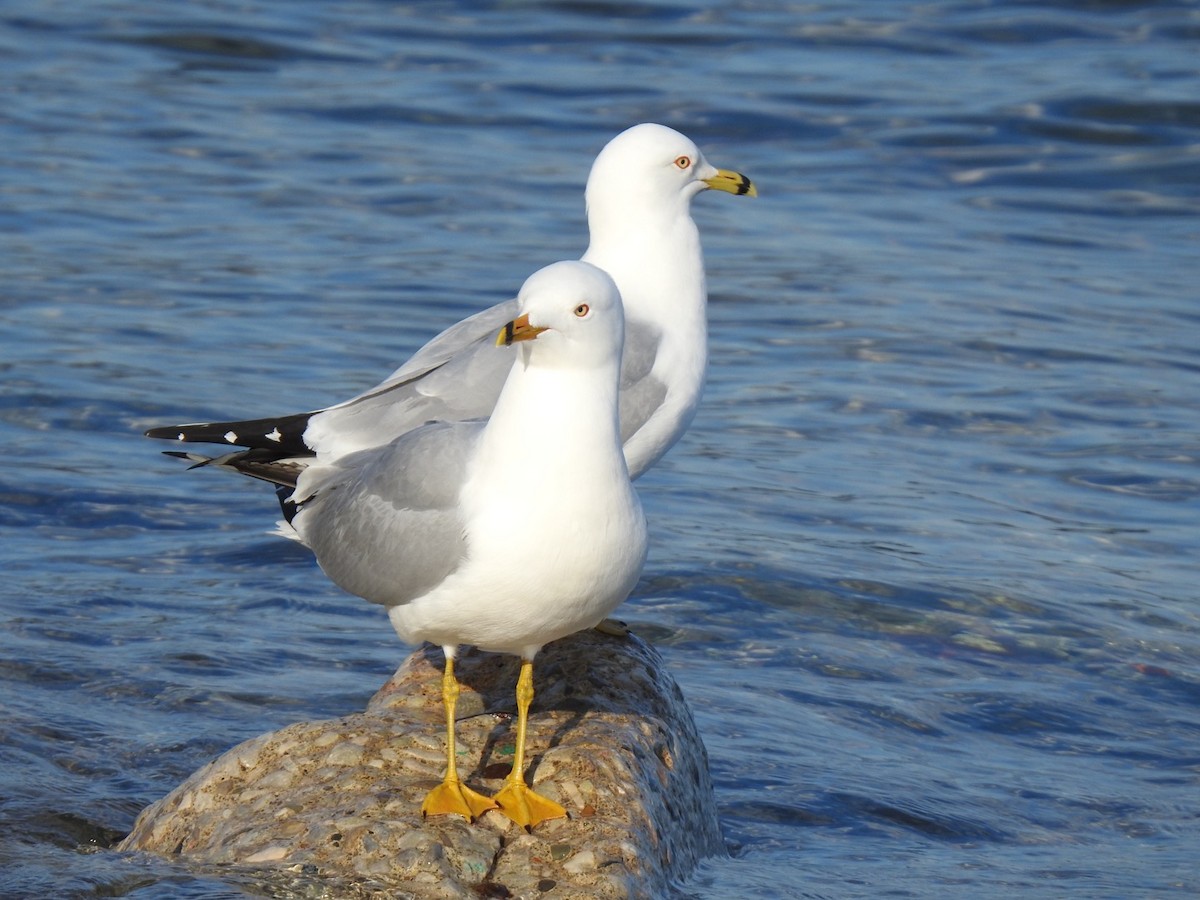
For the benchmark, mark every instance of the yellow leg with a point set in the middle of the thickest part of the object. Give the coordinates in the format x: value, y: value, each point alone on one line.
x: 452, y: 796
x: 515, y: 798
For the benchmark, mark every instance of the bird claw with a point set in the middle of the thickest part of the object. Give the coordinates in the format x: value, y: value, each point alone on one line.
x: 527, y: 808
x: 454, y: 797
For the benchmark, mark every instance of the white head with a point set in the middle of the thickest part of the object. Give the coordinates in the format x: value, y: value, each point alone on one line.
x: 651, y: 167
x: 573, y: 311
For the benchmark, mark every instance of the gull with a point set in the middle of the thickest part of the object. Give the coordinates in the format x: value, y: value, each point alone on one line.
x: 638, y: 200
x: 505, y: 533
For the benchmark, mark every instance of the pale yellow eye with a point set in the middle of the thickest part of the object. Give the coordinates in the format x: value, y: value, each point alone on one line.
x: 683, y: 162
x: 582, y: 310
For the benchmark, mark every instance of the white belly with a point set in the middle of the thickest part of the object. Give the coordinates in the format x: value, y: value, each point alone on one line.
x: 519, y: 590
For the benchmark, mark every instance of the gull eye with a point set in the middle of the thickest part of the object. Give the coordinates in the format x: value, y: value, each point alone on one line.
x: 582, y: 310
x: 683, y: 162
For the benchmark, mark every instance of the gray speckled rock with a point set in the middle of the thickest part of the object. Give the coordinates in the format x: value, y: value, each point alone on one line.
x: 332, y: 808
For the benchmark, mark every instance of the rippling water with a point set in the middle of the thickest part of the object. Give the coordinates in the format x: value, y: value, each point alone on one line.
x: 925, y: 564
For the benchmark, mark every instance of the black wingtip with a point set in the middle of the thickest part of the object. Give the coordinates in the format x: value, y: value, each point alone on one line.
x: 284, y: 434
x: 195, y: 459
x: 286, y: 504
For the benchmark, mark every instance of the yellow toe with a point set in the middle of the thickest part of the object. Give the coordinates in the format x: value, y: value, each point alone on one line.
x: 525, y: 807
x: 454, y: 797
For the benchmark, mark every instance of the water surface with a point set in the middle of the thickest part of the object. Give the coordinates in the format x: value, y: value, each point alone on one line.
x: 925, y: 564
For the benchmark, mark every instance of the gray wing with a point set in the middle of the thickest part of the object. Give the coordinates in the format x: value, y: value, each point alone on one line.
x: 385, y: 523
x: 452, y: 341
x: 456, y: 376
x: 642, y: 393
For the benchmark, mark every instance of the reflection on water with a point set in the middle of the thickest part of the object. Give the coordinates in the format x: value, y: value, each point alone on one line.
x: 924, y: 564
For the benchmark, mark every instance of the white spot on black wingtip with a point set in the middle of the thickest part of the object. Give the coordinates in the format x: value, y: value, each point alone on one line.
x: 181, y: 436
x: 275, y: 436
x: 231, y: 436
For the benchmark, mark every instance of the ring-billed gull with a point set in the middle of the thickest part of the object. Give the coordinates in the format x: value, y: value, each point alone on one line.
x: 505, y: 534
x: 638, y: 197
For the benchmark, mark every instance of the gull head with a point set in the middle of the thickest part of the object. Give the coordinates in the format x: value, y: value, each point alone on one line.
x: 652, y: 167
x: 572, y: 310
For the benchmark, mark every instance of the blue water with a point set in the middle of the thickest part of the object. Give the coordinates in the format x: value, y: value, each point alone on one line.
x: 926, y: 563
